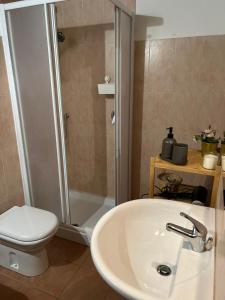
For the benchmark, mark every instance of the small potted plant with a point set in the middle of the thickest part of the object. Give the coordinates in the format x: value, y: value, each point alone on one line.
x: 208, y: 139
x: 223, y: 145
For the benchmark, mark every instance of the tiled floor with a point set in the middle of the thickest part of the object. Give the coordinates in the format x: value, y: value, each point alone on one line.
x: 71, y: 276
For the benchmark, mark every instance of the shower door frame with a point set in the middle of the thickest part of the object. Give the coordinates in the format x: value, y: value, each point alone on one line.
x: 120, y: 8
x: 56, y: 85
x: 15, y: 102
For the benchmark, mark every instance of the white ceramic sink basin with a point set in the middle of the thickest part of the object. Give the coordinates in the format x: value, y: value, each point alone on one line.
x: 131, y: 241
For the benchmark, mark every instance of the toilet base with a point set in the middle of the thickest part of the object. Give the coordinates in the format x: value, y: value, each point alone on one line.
x: 28, y: 264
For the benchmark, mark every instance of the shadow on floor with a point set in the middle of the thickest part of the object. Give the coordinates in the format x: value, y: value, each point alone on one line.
x: 62, y: 252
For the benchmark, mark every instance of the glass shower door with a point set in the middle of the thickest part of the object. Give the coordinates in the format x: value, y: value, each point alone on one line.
x: 83, y: 137
x: 86, y: 44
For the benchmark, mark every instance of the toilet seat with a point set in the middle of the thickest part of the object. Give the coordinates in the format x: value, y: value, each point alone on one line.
x: 7, y: 240
x: 27, y: 225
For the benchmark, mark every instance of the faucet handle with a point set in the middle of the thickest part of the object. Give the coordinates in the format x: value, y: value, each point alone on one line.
x: 198, y: 226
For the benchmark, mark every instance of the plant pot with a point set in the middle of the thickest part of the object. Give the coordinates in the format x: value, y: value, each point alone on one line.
x: 223, y: 149
x: 209, y: 148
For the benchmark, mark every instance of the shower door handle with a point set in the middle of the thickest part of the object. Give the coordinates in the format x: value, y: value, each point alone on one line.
x: 113, y: 118
x: 65, y: 119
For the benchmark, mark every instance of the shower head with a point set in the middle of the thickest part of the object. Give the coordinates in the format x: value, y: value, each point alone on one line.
x: 60, y: 36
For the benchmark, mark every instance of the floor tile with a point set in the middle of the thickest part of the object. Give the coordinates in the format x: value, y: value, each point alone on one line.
x: 61, y: 250
x: 71, y: 275
x: 55, y: 279
x: 86, y: 268
x: 112, y: 295
x: 11, y: 289
x: 90, y: 287
x: 88, y: 284
x: 65, y: 258
x: 13, y: 275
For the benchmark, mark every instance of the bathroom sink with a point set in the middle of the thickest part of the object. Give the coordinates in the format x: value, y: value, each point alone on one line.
x: 133, y: 251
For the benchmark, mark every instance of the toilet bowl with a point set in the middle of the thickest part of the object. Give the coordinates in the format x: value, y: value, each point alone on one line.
x: 24, y: 233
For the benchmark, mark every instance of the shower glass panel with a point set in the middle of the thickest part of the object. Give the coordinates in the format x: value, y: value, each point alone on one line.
x: 28, y: 32
x: 11, y: 191
x: 86, y: 41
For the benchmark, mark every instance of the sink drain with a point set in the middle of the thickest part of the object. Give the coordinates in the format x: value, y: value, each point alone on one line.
x: 164, y: 270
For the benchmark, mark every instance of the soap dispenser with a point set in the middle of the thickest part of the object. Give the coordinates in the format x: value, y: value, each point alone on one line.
x: 167, y: 145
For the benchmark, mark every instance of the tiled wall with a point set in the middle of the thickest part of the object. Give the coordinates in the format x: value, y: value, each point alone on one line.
x: 131, y: 4
x: 84, y: 13
x: 82, y: 63
x: 88, y: 12
x: 180, y: 83
x: 11, y: 191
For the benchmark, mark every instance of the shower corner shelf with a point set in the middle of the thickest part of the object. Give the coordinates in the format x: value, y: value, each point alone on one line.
x: 106, y: 89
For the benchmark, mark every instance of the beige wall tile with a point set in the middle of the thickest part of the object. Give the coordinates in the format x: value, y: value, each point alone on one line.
x: 131, y: 4
x: 108, y: 12
x: 179, y: 83
x: 75, y: 13
x: 161, y: 67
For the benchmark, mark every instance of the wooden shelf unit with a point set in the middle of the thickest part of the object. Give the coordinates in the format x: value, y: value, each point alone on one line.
x: 194, y: 165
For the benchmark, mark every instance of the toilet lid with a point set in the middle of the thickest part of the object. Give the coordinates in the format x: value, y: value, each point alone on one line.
x: 27, y: 223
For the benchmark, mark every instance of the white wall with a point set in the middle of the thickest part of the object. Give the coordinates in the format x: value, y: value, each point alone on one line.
x: 179, y: 18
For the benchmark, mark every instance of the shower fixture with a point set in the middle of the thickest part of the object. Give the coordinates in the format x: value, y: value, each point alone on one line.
x: 60, y: 36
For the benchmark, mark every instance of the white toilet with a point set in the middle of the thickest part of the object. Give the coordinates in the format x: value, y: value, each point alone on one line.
x: 24, y: 233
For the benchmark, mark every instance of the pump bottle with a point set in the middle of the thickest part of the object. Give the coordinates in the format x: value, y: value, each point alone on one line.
x: 167, y: 145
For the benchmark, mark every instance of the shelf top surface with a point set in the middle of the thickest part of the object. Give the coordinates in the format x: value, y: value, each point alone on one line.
x: 194, y: 164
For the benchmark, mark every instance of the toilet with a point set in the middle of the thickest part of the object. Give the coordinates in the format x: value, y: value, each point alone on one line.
x: 24, y: 233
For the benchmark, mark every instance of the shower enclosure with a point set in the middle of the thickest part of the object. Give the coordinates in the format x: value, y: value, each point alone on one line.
x: 73, y: 140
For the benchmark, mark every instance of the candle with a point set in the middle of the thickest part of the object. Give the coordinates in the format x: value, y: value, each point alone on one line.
x: 210, y: 161
x: 223, y: 163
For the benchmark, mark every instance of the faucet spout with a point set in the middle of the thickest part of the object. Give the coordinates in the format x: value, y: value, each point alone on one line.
x: 196, y: 236
x: 181, y: 230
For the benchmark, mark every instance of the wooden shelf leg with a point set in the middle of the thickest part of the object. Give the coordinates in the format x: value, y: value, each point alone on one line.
x: 216, y: 181
x: 152, y: 177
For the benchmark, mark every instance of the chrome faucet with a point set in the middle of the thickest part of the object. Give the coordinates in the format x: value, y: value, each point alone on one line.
x: 196, y: 236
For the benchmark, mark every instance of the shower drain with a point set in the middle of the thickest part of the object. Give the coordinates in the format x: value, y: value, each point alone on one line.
x: 164, y: 270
